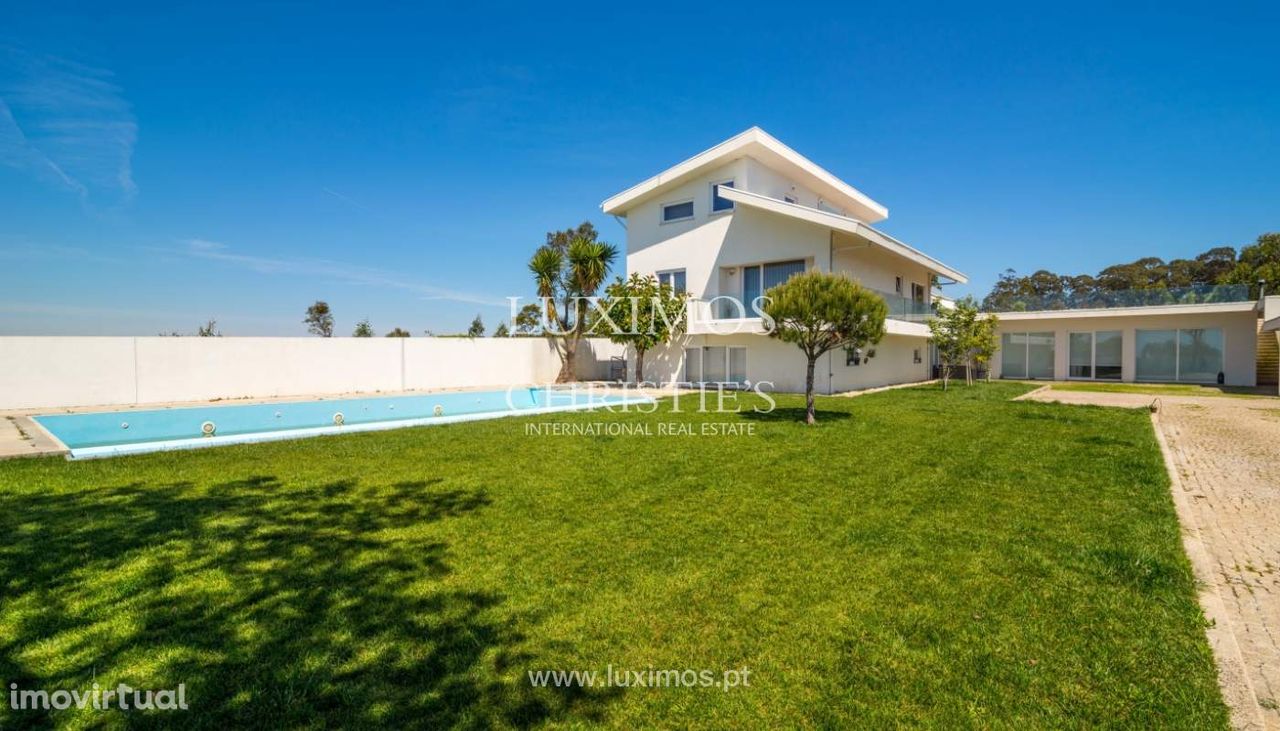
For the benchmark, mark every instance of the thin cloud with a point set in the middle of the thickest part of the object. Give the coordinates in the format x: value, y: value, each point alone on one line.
x: 339, y: 271
x: 347, y: 199
x: 67, y: 124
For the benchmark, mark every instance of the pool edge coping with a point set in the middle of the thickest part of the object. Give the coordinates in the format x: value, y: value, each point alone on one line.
x: 170, y: 445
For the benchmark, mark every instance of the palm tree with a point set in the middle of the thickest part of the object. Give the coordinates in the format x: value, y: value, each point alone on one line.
x: 568, y: 281
x: 546, y: 266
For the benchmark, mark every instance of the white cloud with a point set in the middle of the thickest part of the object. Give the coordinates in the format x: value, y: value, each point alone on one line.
x: 67, y: 124
x: 335, y: 270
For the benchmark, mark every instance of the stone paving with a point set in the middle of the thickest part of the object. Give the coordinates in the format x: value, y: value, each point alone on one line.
x: 1225, y: 453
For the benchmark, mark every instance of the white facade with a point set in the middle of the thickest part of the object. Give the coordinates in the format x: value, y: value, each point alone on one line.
x: 1224, y: 336
x: 781, y: 214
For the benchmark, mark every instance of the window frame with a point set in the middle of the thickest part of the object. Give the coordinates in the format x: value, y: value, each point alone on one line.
x: 1093, y: 355
x: 923, y: 290
x: 1026, y: 354
x: 671, y: 273
x: 760, y: 265
x: 1177, y: 354
x: 662, y: 211
x: 728, y: 365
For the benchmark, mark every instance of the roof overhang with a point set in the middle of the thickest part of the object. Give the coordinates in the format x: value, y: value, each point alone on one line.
x: 758, y: 144
x: 1272, y: 325
x: 1153, y: 311
x: 841, y: 223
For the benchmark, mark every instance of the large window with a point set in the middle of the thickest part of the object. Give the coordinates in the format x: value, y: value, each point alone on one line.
x: 1108, y: 346
x: 1026, y: 355
x: 1194, y: 355
x: 758, y: 278
x: 1013, y: 355
x: 1080, y: 355
x: 681, y: 211
x: 1094, y: 354
x: 675, y: 278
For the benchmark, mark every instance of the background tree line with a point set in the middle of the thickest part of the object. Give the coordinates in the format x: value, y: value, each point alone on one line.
x: 1153, y: 276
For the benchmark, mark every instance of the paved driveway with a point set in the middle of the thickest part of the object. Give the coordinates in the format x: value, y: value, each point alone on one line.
x: 1226, y: 455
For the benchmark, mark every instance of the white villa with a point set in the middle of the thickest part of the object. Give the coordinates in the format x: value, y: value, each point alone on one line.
x: 730, y: 222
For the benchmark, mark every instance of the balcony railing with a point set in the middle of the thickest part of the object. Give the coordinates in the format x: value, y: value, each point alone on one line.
x: 1201, y: 294
x: 729, y: 307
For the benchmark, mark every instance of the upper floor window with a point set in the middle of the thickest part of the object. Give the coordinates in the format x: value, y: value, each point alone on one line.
x: 897, y: 285
x: 681, y: 211
x: 917, y: 292
x: 717, y: 203
x: 675, y: 278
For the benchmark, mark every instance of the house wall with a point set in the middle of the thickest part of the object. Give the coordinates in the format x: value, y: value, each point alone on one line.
x: 52, y: 372
x: 1239, y: 330
x: 876, y: 268
x: 783, y: 365
x: 713, y: 248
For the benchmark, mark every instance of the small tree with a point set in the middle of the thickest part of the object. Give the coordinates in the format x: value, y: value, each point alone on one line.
x: 477, y: 328
x: 963, y: 336
x: 820, y: 312
x: 363, y: 329
x: 501, y: 331
x: 398, y: 333
x: 644, y: 314
x: 948, y: 341
x: 986, y: 342
x: 209, y: 330
x: 319, y: 319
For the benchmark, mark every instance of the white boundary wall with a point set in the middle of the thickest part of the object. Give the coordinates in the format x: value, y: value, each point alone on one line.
x: 53, y: 372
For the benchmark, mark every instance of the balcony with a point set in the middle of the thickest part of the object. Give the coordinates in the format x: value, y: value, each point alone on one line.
x: 1197, y: 295
x: 727, y: 315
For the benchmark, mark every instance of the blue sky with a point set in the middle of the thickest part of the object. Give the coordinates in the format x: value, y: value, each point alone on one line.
x: 159, y: 167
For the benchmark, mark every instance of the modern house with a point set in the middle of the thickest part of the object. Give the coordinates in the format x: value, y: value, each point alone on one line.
x: 1206, y: 342
x: 729, y: 223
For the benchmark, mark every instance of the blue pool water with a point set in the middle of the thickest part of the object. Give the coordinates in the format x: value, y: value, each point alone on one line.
x: 101, y: 434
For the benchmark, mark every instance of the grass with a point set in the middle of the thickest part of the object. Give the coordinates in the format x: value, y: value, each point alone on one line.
x: 1166, y: 389
x: 917, y: 558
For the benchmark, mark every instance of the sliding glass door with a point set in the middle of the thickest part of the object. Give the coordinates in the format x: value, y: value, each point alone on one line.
x: 693, y: 365
x: 1194, y: 355
x: 1013, y: 355
x: 1108, y: 347
x: 1080, y: 355
x: 716, y: 364
x: 1026, y: 355
x: 1095, y: 355
x: 1200, y: 354
x: 714, y: 368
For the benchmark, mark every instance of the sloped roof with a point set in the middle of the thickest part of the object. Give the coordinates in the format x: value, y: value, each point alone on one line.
x: 762, y: 146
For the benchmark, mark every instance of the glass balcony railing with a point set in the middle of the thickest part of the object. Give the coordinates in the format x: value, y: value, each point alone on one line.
x: 730, y: 307
x: 1201, y: 294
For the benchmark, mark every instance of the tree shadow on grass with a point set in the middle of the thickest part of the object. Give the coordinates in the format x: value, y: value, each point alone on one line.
x: 796, y: 415
x: 276, y: 605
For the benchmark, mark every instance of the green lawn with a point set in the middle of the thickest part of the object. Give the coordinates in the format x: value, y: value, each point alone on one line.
x: 923, y: 558
x: 1166, y: 389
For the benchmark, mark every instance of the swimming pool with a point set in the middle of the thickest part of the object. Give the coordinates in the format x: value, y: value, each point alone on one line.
x: 110, y: 433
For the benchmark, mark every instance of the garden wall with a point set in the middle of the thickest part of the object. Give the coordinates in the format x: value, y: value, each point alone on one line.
x: 51, y: 372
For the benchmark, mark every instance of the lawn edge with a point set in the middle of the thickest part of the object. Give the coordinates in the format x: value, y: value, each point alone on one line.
x: 1233, y: 677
